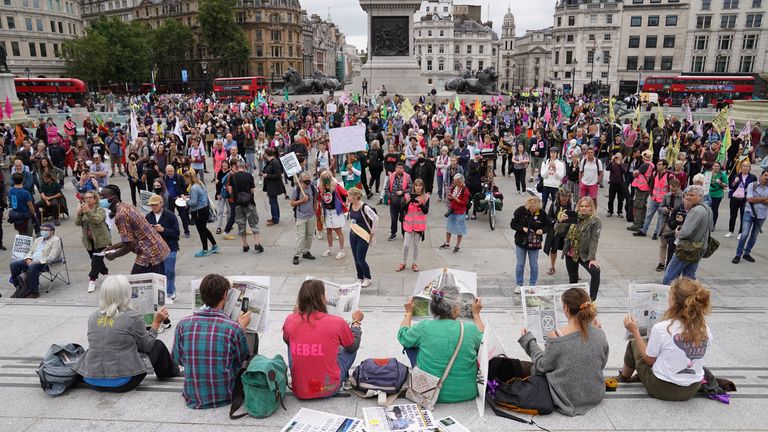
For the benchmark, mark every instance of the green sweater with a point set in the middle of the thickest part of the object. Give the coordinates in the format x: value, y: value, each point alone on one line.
x: 715, y: 190
x: 436, y: 340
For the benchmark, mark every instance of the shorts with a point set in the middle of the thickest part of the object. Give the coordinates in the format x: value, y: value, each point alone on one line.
x: 585, y: 190
x: 334, y: 220
x: 245, y: 215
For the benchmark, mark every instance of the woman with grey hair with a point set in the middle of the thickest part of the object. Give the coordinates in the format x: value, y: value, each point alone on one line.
x: 119, y: 344
x: 430, y: 344
x: 458, y: 199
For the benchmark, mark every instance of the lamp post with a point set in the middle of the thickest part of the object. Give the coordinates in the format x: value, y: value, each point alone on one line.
x: 639, y: 75
x: 573, y: 76
x: 204, y: 67
x: 27, y: 71
x: 514, y: 69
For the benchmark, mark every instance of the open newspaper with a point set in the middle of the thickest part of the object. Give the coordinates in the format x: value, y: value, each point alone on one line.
x: 440, y: 280
x: 490, y: 347
x: 253, y: 288
x: 408, y: 417
x: 341, y: 299
x: 307, y: 420
x: 647, y: 304
x: 148, y: 292
x: 543, y: 307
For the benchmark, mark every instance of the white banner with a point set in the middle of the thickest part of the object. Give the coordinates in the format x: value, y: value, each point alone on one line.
x: 291, y: 164
x: 21, y: 245
x: 347, y: 139
x: 331, y: 108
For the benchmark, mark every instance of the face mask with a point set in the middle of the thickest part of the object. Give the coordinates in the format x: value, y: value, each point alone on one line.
x: 158, y: 190
x: 326, y: 181
x: 104, y: 203
x: 307, y: 182
x: 45, y: 234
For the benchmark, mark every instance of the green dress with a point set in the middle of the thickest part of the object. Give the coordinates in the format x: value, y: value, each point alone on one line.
x: 436, y: 340
x: 715, y: 190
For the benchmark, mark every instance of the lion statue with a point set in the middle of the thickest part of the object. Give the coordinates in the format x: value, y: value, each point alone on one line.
x: 485, y: 83
x: 330, y: 84
x: 299, y: 86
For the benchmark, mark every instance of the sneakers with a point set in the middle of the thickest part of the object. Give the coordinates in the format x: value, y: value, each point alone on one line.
x: 456, y: 249
x: 215, y: 249
x: 749, y: 258
x: 609, y: 215
x: 620, y: 215
x: 91, y: 286
x: 660, y: 267
x: 201, y: 253
x: 517, y: 289
x: 164, y: 326
x: 366, y: 283
x: 173, y: 296
x: 228, y: 236
x: 246, y: 248
x: 655, y: 236
x: 639, y: 234
x: 736, y: 259
x: 326, y: 253
x: 633, y: 228
x: 295, y: 260
x: 392, y: 237
x: 728, y: 235
x: 340, y: 255
x: 169, y: 300
x: 258, y: 248
x: 444, y: 246
x: 308, y: 255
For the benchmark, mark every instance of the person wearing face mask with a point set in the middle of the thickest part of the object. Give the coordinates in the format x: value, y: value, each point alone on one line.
x: 95, y: 235
x: 424, y: 169
x: 304, y: 201
x: 45, y: 249
x: 175, y: 187
x: 581, y: 239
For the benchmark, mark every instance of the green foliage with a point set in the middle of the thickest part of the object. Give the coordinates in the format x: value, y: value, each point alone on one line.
x: 170, y: 42
x: 87, y: 58
x: 227, y: 44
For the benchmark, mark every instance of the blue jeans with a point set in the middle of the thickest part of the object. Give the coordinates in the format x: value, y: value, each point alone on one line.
x: 439, y: 185
x: 170, y: 272
x: 750, y: 228
x: 533, y: 263
x: 651, y: 208
x: 250, y: 160
x: 359, y: 251
x: 676, y: 267
x: 546, y: 193
x: 33, y: 270
x: 274, y: 208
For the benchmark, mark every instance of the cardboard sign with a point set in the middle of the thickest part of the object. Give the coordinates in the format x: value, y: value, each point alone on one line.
x: 291, y: 164
x: 21, y: 245
x: 331, y: 108
x: 145, y: 195
x: 349, y: 139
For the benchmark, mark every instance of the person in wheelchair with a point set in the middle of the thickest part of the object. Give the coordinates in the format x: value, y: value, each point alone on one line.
x: 51, y: 199
x: 44, y: 250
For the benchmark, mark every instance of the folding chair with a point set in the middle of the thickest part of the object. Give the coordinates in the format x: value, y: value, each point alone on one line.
x: 57, y: 269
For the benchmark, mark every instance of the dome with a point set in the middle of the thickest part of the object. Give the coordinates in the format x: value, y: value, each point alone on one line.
x: 509, y: 19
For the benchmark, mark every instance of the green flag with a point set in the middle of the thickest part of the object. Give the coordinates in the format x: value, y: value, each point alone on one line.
x: 721, y: 157
x: 457, y: 103
x: 564, y: 107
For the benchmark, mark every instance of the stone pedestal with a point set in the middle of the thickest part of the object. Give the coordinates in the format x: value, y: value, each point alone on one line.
x: 8, y: 89
x: 391, y: 60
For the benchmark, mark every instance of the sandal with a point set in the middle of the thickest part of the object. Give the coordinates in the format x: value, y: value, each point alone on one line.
x: 414, y: 267
x: 400, y: 268
x: 551, y: 271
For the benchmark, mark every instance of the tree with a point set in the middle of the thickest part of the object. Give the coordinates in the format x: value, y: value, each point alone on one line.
x: 129, y: 49
x: 170, y: 42
x: 87, y: 58
x: 226, y: 41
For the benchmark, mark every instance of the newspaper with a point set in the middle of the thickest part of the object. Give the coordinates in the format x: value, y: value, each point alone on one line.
x: 254, y: 288
x: 341, y: 299
x: 450, y: 424
x: 21, y: 246
x: 148, y: 292
x: 647, y: 304
x: 439, y: 279
x: 408, y: 417
x: 543, y: 307
x: 307, y: 420
x: 490, y: 347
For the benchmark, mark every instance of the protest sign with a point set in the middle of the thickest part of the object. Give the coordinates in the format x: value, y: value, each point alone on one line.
x: 21, y: 245
x: 348, y: 139
x: 543, y: 307
x: 145, y: 195
x: 254, y: 288
x: 406, y: 110
x: 148, y: 291
x: 307, y: 420
x: 291, y: 164
x: 647, y: 305
x: 331, y: 108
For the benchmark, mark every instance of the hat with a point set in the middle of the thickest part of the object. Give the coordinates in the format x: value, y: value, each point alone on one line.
x: 477, y: 151
x: 155, y: 199
x: 555, y: 149
x: 647, y: 155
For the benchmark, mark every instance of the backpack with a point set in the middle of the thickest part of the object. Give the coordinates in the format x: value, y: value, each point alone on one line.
x: 379, y: 377
x: 55, y: 370
x: 261, y: 387
x: 528, y: 395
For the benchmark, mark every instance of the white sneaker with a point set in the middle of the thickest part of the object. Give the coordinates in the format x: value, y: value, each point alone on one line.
x: 91, y: 286
x: 340, y: 255
x: 173, y: 296
x: 739, y: 237
x: 327, y: 252
x: 366, y: 283
x: 169, y: 300
x: 728, y: 234
x: 517, y: 289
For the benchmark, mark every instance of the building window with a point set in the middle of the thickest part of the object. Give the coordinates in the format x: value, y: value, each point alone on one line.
x: 568, y: 57
x: 429, y: 49
x: 746, y: 64
x: 571, y: 21
x: 609, y: 19
x: 591, y: 37
x: 649, y: 63
x: 754, y: 20
x: 666, y: 62
x: 441, y: 49
x: 607, y: 37
x: 727, y: 21
x: 468, y: 65
x: 757, y: 3
x: 61, y: 27
x: 559, y: 21
x: 706, y: 4
x: 670, y: 20
x: 749, y: 42
x: 39, y: 25
x: 429, y: 33
x: 274, y: 18
x: 569, y: 38
x: 480, y: 65
x: 469, y: 49
x: 603, y: 74
x: 637, y: 1
x: 28, y: 23
x: 429, y: 65
x: 634, y: 42
x: 456, y: 65
x: 557, y: 57
x: 53, y: 26
x: 721, y: 63
x: 259, y: 51
x: 593, y: 19
x: 669, y: 41
x: 730, y: 4
x: 32, y: 50
x: 56, y: 52
x: 590, y: 56
x: 589, y: 75
x: 636, y: 21
x: 700, y: 42
x: 698, y: 63
x: 457, y: 49
x: 650, y: 41
x: 606, y: 57
x: 632, y: 63
x: 15, y: 49
x: 703, y: 21
x: 43, y: 50
x: 568, y: 74
x: 480, y: 49
x: 653, y: 21
x: 724, y: 42
x: 277, y: 51
x: 257, y: 36
x: 442, y: 33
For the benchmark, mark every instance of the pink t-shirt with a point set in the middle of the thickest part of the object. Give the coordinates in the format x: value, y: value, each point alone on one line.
x: 313, y: 347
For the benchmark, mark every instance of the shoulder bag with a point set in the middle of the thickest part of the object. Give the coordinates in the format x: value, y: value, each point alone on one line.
x: 423, y: 387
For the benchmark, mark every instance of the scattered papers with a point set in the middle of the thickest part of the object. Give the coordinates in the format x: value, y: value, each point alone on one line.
x: 647, y: 305
x: 341, y: 299
x: 291, y: 164
x: 543, y: 307
x: 408, y: 417
x: 439, y: 279
x: 148, y: 292
x: 307, y: 420
x: 450, y: 424
x: 254, y: 288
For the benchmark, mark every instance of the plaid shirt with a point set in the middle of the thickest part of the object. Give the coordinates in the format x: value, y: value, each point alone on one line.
x: 150, y: 247
x: 211, y: 348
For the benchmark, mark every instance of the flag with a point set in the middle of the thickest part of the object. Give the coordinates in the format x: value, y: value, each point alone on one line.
x: 723, y: 155
x: 493, y: 100
x: 746, y: 131
x: 689, y: 114
x: 356, y: 98
x: 661, y: 115
x: 478, y: 108
x: 98, y: 119
x: 384, y: 111
x: 720, y: 121
x: 651, y: 144
x: 344, y: 99
x: 134, y: 127
x: 559, y: 116
x: 21, y: 135
x: 636, y: 121
x: 8, y: 108
x: 406, y: 109
x: 611, y: 114
x: 565, y: 109
x: 672, y: 151
x: 177, y: 130
x: 547, y: 114
x: 463, y: 106
x: 285, y: 93
x: 700, y: 128
x: 456, y: 103
x: 500, y: 99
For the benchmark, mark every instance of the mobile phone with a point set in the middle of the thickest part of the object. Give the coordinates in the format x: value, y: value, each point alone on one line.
x: 244, y: 305
x: 572, y: 216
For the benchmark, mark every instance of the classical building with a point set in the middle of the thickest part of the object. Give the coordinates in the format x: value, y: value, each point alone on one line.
x: 446, y: 47
x: 507, y: 67
x: 727, y: 36
x: 532, y: 58
x: 32, y: 32
x: 468, y: 12
x: 441, y: 8
x: 95, y: 9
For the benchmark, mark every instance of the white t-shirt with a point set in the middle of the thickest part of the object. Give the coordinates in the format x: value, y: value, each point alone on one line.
x: 676, y: 362
x: 590, y: 171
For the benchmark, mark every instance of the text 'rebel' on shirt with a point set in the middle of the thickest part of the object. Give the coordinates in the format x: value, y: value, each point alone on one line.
x: 677, y: 362
x: 312, y: 347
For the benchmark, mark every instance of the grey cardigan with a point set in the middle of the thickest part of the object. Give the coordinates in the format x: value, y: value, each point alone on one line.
x: 573, y: 367
x: 115, y: 346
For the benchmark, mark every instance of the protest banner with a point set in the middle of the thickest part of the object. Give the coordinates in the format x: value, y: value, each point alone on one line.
x: 291, y: 164
x: 348, y: 139
x: 21, y: 245
x: 406, y: 110
x: 145, y: 195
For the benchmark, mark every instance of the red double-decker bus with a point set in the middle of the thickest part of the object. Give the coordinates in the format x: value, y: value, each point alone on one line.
x: 240, y: 89
x: 712, y: 87
x: 71, y: 90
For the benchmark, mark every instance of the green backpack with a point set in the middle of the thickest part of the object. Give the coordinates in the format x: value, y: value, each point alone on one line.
x: 261, y: 387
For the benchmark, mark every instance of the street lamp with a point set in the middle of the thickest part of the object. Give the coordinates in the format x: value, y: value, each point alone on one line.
x: 204, y: 67
x: 639, y: 74
x: 573, y: 76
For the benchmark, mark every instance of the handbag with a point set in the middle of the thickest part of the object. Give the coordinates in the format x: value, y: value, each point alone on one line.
x: 534, y: 240
x: 529, y: 395
x: 423, y: 387
x: 242, y: 199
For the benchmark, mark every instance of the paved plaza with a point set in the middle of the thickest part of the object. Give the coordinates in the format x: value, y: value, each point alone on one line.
x: 738, y: 323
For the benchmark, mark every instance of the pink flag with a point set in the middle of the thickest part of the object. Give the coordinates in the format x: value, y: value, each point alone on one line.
x: 500, y: 99
x: 493, y: 100
x: 547, y: 114
x: 8, y: 108
x: 265, y: 109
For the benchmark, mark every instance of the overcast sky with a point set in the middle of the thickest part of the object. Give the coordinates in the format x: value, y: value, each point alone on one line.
x: 349, y: 16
